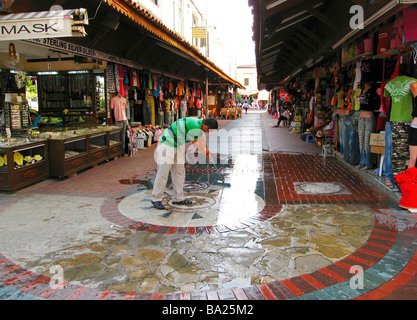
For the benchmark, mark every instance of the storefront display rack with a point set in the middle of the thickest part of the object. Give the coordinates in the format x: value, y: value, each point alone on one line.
x: 23, y: 162
x: 73, y: 151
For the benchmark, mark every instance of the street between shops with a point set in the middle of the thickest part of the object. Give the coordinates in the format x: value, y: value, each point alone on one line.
x: 292, y: 225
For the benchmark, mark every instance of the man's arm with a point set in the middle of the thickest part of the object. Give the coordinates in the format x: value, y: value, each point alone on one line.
x: 201, y: 145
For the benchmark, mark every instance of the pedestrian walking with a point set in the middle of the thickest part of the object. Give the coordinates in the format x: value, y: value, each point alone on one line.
x: 170, y: 156
x: 245, y: 106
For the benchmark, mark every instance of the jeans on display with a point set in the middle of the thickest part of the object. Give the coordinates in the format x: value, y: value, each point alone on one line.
x: 346, y: 137
x: 340, y: 130
x: 341, y: 134
x: 168, y: 119
x: 366, y: 127
x: 388, y: 153
x: 123, y: 125
x: 160, y: 119
x: 354, y: 139
x: 147, y: 113
x: 183, y: 113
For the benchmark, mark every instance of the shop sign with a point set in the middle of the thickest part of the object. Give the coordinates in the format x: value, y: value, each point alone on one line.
x: 30, y: 29
x: 199, y: 32
x: 83, y: 51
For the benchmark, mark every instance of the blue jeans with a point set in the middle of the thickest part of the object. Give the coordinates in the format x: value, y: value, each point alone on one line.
x: 388, y: 153
x: 147, y: 113
x: 366, y: 127
x: 168, y: 117
x: 354, y: 139
x: 341, y: 130
x: 346, y: 137
x: 160, y: 119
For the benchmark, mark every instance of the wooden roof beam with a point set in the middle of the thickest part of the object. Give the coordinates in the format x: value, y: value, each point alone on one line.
x: 323, y: 18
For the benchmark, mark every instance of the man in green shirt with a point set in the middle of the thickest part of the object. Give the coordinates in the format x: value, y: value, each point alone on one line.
x: 170, y: 156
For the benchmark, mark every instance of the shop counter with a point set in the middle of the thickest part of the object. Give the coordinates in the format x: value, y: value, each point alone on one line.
x: 23, y: 162
x: 70, y: 152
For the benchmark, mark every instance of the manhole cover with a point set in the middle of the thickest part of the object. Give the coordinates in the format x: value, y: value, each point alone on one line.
x: 319, y: 188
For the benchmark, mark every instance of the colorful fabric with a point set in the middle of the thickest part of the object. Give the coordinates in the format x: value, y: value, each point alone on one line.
x: 408, y: 185
x: 397, y: 35
x: 384, y: 38
x: 410, y: 26
x: 356, y: 100
x: 369, y: 100
x: 182, y: 131
x: 400, y: 147
x: 119, y: 106
x: 401, y: 97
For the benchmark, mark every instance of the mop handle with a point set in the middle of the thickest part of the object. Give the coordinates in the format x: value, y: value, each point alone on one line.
x: 214, y: 164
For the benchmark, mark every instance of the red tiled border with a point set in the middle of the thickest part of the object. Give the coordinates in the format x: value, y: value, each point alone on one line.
x: 380, y: 242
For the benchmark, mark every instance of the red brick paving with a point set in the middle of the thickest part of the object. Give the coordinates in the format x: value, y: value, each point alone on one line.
x: 282, y: 170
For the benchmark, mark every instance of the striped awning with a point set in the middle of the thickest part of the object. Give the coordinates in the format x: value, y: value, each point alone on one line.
x: 43, y: 24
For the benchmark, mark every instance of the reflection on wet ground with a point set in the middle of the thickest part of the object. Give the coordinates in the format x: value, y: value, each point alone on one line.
x: 270, y: 225
x: 301, y: 239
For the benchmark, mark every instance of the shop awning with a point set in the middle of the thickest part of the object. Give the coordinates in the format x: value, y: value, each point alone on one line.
x: 43, y: 24
x: 128, y: 32
x: 168, y: 41
x: 294, y: 36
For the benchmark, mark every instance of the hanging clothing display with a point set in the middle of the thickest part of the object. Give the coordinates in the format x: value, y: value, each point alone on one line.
x: 400, y: 116
x: 410, y: 27
x: 408, y: 185
x: 400, y: 92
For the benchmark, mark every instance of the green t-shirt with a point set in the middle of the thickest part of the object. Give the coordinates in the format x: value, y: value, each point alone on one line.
x: 182, y: 131
x: 401, y: 97
x: 355, y: 99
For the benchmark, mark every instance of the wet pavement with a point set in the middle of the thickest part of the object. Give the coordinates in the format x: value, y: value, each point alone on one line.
x: 291, y: 225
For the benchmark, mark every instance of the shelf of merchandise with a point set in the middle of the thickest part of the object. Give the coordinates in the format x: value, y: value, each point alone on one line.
x: 71, y: 155
x: 33, y: 167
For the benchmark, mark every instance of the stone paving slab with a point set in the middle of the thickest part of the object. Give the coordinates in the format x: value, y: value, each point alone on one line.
x: 301, y: 245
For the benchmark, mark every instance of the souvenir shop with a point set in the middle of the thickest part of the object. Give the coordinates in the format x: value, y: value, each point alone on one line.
x: 65, y: 107
x: 362, y: 102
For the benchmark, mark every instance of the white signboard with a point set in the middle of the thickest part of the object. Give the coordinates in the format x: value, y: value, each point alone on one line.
x: 21, y: 29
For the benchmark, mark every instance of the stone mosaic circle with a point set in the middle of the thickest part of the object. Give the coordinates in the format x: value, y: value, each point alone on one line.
x: 320, y: 188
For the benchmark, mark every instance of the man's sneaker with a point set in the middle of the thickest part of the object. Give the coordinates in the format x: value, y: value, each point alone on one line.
x: 183, y: 202
x: 158, y: 205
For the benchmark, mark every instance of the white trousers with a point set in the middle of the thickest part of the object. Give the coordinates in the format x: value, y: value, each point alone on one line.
x: 172, y: 160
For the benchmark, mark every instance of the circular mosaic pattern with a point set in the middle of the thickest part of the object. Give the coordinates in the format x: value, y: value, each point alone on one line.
x: 190, y: 186
x: 319, y: 188
x: 210, y: 207
x: 200, y: 201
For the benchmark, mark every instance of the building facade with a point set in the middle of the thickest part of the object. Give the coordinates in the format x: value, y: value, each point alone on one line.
x: 181, y: 16
x: 247, y: 75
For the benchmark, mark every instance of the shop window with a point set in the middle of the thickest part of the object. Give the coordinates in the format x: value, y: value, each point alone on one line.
x: 100, y: 95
